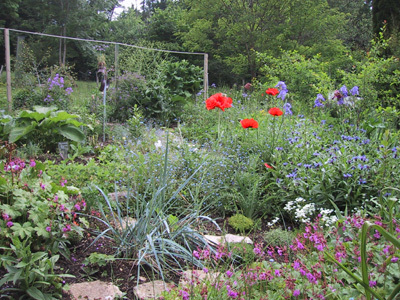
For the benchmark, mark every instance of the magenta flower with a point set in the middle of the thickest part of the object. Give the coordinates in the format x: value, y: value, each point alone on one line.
x: 48, y: 228
x: 77, y: 207
x: 229, y: 274
x: 372, y: 283
x: 184, y: 295
x: 67, y: 228
x: 32, y: 163
x: 10, y: 224
x: 296, y: 293
x: 196, y: 254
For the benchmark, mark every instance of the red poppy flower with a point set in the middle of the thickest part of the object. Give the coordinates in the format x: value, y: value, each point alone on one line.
x: 268, y: 166
x: 272, y: 92
x: 249, y: 123
x: 218, y: 100
x: 275, y: 111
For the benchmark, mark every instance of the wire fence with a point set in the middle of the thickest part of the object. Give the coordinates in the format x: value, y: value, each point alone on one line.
x: 111, y: 51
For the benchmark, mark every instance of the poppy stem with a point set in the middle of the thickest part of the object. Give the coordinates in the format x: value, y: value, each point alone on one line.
x: 219, y: 124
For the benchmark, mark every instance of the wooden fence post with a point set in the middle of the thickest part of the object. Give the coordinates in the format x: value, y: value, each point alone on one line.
x: 205, y: 80
x: 8, y: 68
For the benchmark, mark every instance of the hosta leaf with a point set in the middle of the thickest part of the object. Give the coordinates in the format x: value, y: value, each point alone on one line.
x: 72, y: 132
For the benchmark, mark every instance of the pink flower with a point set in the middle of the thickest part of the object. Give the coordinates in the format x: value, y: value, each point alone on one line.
x: 43, y: 187
x: 32, y: 163
x: 229, y: 274
x: 67, y: 228
x: 196, y: 254
x: 77, y: 207
x: 184, y: 295
x: 10, y: 224
x: 48, y: 228
x: 296, y: 293
x: 372, y: 283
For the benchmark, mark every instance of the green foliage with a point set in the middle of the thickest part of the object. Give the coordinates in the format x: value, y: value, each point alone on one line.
x: 27, y: 98
x: 278, y: 237
x: 377, y: 76
x: 34, y: 208
x: 241, y: 223
x: 128, y: 95
x: 304, y: 77
x: 161, y: 95
x: 135, y: 123
x: 32, y: 273
x: 44, y: 125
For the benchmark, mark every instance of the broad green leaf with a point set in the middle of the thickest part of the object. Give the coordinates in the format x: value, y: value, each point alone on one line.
x: 35, y: 293
x: 32, y: 115
x: 38, y: 255
x: 72, y: 132
x: 18, y: 132
x: 46, y: 110
x: 61, y: 116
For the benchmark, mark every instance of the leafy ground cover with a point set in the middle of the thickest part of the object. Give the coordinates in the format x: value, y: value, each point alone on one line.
x: 320, y: 192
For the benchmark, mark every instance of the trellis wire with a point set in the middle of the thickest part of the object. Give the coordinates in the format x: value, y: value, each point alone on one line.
x: 8, y: 67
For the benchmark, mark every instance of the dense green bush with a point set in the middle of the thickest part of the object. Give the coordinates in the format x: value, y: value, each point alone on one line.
x: 241, y: 223
x: 160, y: 95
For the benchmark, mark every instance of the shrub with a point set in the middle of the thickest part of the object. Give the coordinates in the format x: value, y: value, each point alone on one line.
x: 278, y: 237
x: 241, y: 223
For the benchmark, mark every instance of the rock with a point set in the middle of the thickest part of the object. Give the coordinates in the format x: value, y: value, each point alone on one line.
x: 119, y: 195
x: 228, y: 238
x: 231, y: 238
x: 152, y: 289
x: 126, y: 222
x: 94, y: 290
x: 197, y: 276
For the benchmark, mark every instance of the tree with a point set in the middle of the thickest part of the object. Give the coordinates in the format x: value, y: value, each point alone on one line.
x: 388, y: 12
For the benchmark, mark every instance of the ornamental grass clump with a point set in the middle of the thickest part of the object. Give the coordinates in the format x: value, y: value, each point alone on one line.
x: 162, y: 237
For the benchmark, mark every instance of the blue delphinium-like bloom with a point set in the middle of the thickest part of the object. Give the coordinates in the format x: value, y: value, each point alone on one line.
x: 344, y: 91
x: 287, y: 107
x: 318, y: 101
x: 354, y: 90
x: 281, y: 85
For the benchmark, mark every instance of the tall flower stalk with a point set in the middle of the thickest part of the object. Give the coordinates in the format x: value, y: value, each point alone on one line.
x: 220, y: 101
x: 275, y: 112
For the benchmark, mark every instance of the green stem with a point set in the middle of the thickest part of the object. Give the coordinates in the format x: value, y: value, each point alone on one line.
x: 219, y: 125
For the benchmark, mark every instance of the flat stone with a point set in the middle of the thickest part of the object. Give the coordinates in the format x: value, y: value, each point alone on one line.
x: 194, y: 277
x: 126, y: 222
x: 228, y: 238
x: 232, y: 238
x: 119, y: 195
x: 94, y: 290
x: 152, y: 289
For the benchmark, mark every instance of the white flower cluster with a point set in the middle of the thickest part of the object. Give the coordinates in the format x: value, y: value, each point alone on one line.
x: 303, y: 212
x: 327, y: 218
x: 272, y: 223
